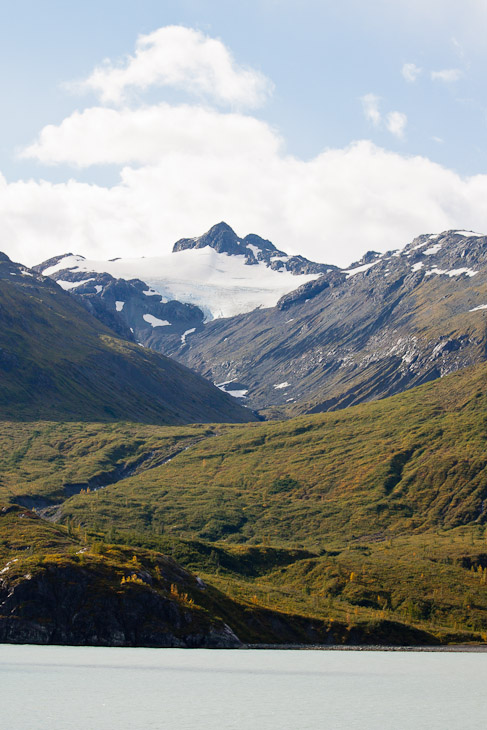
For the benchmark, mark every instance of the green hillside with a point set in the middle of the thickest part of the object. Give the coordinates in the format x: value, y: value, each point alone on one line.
x: 368, y: 517
x: 410, y: 463
x: 58, y: 362
x: 65, y: 586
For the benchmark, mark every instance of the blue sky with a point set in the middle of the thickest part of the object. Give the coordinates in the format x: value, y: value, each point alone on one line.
x: 328, y: 97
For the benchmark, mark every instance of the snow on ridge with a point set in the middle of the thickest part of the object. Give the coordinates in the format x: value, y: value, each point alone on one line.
x: 280, y: 258
x: 358, y: 269
x: 67, y: 262
x: 185, y: 334
x: 255, y: 249
x: 432, y: 250
x: 452, y: 272
x: 155, y: 321
x: 469, y: 234
x: 67, y: 285
x: 221, y: 285
x: 119, y: 306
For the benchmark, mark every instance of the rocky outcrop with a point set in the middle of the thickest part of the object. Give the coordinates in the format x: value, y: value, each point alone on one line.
x: 81, y: 606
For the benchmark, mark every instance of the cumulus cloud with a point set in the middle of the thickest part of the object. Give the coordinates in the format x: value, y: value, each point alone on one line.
x: 101, y: 135
x: 331, y: 208
x: 447, y: 75
x: 183, y: 58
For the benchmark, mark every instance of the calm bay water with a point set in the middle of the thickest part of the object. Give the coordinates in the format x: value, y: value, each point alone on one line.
x: 67, y: 688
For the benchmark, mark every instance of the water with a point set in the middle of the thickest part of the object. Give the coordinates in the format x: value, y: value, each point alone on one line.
x: 85, y: 688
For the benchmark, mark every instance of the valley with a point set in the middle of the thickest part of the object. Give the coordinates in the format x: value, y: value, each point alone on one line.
x: 348, y: 507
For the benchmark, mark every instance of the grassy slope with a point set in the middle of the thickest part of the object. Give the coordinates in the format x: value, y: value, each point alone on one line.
x: 412, y: 462
x: 390, y: 493
x: 57, y: 362
x: 374, y: 514
x: 49, y: 572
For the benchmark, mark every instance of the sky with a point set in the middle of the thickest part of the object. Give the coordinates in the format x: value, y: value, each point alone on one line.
x: 330, y: 129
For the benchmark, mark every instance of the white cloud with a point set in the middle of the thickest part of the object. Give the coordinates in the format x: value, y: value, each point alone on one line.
x: 447, y: 75
x: 411, y: 72
x: 370, y: 105
x: 184, y: 58
x: 331, y: 208
x: 149, y: 134
x: 396, y: 123
x: 184, y: 168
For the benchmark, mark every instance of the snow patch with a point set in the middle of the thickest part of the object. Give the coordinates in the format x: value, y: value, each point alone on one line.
x: 417, y: 267
x: 67, y: 285
x: 255, y: 249
x: 453, y: 272
x: 358, y: 269
x: 98, y: 288
x: 282, y: 385
x: 67, y: 262
x: 119, y: 306
x: 225, y: 382
x: 185, y: 334
x: 469, y: 234
x: 433, y: 249
x: 280, y: 258
x: 154, y: 321
x: 476, y: 309
x: 237, y: 393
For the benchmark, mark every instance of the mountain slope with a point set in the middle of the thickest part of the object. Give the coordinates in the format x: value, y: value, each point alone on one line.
x: 384, y: 505
x: 412, y: 462
x: 59, y: 362
x: 386, y: 324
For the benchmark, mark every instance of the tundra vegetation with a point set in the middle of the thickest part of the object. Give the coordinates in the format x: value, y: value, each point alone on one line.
x: 372, y: 516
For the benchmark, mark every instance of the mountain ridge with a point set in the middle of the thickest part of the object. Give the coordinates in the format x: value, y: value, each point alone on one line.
x: 58, y: 361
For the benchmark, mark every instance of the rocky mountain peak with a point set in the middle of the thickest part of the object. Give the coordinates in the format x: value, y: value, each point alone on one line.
x: 221, y: 237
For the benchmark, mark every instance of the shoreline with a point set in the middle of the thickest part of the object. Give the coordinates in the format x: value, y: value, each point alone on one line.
x: 466, y: 648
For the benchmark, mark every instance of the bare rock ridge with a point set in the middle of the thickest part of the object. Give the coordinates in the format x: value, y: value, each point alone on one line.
x: 385, y: 324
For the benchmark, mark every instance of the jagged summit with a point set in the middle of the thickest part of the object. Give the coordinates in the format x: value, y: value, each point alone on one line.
x: 214, y: 275
x: 223, y: 239
x: 220, y: 237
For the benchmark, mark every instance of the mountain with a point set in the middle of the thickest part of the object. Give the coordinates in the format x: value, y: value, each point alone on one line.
x: 385, y: 324
x: 162, y: 301
x: 336, y: 337
x: 58, y: 362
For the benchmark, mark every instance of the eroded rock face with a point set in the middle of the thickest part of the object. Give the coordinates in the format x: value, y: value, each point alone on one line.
x: 76, y: 606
